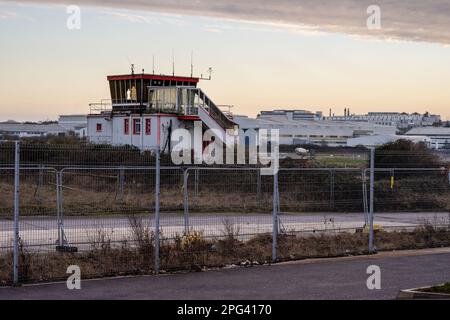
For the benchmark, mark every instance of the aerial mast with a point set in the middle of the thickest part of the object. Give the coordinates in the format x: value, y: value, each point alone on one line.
x: 173, y: 63
x: 153, y: 63
x: 192, y: 63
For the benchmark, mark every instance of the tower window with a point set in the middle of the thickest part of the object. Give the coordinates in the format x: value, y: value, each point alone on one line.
x: 126, y: 126
x: 136, y: 126
x: 148, y: 126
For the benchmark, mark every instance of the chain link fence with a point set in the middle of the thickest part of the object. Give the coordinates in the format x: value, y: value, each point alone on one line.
x: 116, y: 210
x: 411, y: 202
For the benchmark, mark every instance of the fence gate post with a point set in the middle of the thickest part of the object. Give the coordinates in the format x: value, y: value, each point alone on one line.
x: 157, y: 208
x: 121, y: 183
x: 372, y: 196
x: 275, y: 218
x: 196, y: 182
x: 258, y: 187
x: 40, y: 183
x: 332, y: 176
x: 59, y: 209
x: 16, y: 213
x: 364, y: 195
x: 186, y: 200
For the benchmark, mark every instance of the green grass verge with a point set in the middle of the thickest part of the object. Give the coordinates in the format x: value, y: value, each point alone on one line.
x: 439, y: 289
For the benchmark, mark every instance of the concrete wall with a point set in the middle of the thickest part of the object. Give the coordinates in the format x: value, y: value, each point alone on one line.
x: 103, y: 136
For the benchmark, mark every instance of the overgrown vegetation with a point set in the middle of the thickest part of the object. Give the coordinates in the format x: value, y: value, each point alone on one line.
x: 445, y: 288
x: 65, y: 151
x: 89, y: 193
x: 101, y: 193
x: 406, y: 154
x: 194, y: 252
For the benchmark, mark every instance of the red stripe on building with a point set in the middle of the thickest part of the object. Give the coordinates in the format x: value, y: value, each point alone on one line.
x: 152, y: 77
x: 191, y: 118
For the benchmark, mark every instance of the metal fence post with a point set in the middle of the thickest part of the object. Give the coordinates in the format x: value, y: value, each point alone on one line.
x: 59, y: 211
x: 58, y: 208
x: 275, y: 218
x: 186, y: 200
x: 372, y: 195
x: 278, y: 204
x: 196, y: 182
x: 332, y: 188
x: 364, y: 195
x: 258, y: 187
x: 121, y: 182
x: 157, y: 207
x: 16, y: 213
x: 40, y: 182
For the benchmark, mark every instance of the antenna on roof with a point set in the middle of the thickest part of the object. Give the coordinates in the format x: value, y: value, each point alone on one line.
x: 153, y: 69
x: 192, y: 63
x: 210, y: 71
x: 173, y: 63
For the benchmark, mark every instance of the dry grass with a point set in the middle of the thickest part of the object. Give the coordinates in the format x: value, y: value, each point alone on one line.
x: 34, y: 200
x: 104, y: 258
x: 100, y: 194
x: 84, y: 201
x: 443, y: 289
x: 79, y: 201
x: 194, y: 252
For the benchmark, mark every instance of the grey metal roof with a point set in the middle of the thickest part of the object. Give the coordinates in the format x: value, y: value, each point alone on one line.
x: 429, y: 131
x: 73, y: 117
x: 320, y: 127
x: 28, y: 127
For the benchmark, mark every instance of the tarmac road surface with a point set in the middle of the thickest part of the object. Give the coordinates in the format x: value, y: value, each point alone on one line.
x: 340, y: 278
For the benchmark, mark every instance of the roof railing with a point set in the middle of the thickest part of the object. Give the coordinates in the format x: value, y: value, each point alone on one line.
x: 190, y: 107
x: 105, y: 105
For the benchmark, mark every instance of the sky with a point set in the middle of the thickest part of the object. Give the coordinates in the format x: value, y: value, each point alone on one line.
x: 288, y: 54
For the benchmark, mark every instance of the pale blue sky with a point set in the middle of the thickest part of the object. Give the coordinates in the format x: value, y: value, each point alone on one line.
x: 48, y: 70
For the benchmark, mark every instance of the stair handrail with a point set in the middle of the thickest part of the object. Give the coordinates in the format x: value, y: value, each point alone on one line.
x: 215, y: 112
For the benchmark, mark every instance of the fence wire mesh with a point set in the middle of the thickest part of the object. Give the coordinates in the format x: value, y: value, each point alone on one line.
x: 411, y: 198
x: 79, y: 206
x: 94, y: 206
x: 223, y: 209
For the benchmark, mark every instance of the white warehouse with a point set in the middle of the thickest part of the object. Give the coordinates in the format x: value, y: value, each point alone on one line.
x: 26, y: 130
x: 76, y: 123
x: 439, y: 136
x: 314, y: 132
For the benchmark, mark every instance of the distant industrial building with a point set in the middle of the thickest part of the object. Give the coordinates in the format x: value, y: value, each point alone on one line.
x: 24, y: 130
x: 145, y: 109
x: 296, y: 132
x: 379, y: 140
x: 291, y: 115
x: 440, y: 136
x: 76, y: 123
x: 397, y: 119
